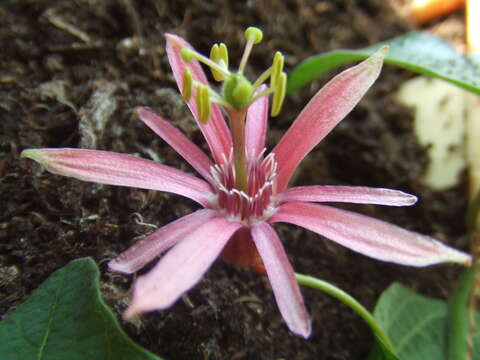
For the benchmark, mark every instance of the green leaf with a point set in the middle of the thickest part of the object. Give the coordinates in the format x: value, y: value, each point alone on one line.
x: 421, y: 52
x: 66, y: 318
x: 416, y: 324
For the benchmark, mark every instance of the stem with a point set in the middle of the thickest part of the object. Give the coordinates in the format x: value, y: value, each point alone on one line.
x: 237, y: 125
x: 349, y: 301
x: 458, y: 324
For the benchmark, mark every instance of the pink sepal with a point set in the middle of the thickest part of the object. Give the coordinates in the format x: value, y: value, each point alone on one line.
x: 182, y: 267
x: 324, y: 111
x: 369, y: 236
x: 147, y: 249
x: 178, y: 141
x: 282, y: 279
x: 350, y: 194
x: 111, y: 168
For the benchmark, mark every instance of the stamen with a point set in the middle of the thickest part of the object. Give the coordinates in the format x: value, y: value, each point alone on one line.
x: 262, y: 78
x: 254, y: 36
x: 219, y: 54
x: 189, y: 54
x: 279, y: 94
x: 203, y: 103
x: 187, y: 84
x: 277, y: 68
x: 263, y: 93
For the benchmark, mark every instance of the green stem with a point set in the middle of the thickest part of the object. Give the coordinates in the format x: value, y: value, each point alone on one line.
x: 349, y: 301
x: 458, y: 324
x: 237, y: 126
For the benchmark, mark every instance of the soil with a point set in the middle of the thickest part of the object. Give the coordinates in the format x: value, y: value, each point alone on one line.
x: 72, y: 74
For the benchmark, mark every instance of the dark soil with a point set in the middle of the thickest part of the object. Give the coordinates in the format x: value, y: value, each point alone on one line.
x: 56, y: 55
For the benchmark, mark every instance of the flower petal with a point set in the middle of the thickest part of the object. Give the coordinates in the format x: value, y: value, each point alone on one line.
x: 349, y: 194
x: 326, y: 109
x: 119, y: 169
x: 215, y: 130
x: 281, y: 276
x: 178, y: 141
x: 256, y: 126
x: 182, y: 267
x: 369, y: 236
x: 147, y: 249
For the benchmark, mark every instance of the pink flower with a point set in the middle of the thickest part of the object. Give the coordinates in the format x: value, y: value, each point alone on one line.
x: 236, y: 221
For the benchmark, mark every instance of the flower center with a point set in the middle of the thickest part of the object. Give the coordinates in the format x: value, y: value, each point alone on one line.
x: 258, y: 202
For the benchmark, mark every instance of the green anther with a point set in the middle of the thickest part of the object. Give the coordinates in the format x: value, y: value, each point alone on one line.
x: 255, y: 33
x: 277, y: 68
x: 204, y: 106
x: 223, y: 54
x: 219, y: 55
x: 187, y: 54
x: 187, y: 84
x: 237, y: 91
x: 279, y: 94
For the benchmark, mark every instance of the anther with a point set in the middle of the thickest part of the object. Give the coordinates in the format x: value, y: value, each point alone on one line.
x: 277, y: 68
x: 219, y: 55
x: 279, y: 94
x: 204, y: 106
x: 187, y: 84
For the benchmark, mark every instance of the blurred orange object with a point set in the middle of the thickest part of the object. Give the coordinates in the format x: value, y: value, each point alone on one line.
x: 423, y: 11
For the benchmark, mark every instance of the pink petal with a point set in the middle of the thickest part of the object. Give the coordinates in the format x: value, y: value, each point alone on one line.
x: 281, y: 276
x: 147, y: 249
x: 256, y: 126
x: 215, y: 130
x: 177, y: 140
x: 182, y: 267
x: 119, y: 169
x: 369, y: 236
x: 326, y: 109
x: 349, y: 194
